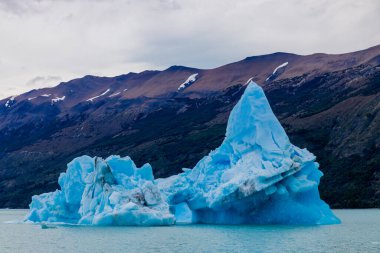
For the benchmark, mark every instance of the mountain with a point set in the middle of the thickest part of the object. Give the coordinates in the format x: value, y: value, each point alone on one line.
x: 172, y: 118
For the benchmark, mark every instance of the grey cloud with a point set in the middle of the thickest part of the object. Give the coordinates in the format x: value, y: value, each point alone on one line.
x: 43, y: 81
x: 12, y: 6
x: 19, y: 7
x: 69, y: 39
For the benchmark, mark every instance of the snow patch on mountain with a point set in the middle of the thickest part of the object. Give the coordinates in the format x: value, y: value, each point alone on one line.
x: 189, y: 81
x: 273, y: 75
x: 249, y: 80
x: 114, y: 94
x: 93, y: 98
x: 10, y: 102
x: 280, y: 66
x: 57, y: 99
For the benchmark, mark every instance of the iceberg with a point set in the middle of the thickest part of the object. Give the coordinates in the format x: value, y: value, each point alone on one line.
x: 103, y: 192
x: 256, y: 176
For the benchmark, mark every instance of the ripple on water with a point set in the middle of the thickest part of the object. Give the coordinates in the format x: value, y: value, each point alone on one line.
x: 359, y: 232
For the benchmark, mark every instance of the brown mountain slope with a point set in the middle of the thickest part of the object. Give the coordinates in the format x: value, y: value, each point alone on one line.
x: 327, y: 103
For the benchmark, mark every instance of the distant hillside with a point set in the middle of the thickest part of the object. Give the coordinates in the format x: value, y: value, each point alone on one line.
x: 327, y: 103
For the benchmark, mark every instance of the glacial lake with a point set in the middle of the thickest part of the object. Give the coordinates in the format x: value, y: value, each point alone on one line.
x: 359, y: 232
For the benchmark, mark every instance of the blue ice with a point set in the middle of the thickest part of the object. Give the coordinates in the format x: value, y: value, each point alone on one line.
x: 256, y: 176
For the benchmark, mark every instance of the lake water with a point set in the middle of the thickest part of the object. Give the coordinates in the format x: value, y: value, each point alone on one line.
x: 359, y: 232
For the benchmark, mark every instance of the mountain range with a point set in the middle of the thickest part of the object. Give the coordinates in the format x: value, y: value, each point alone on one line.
x: 327, y: 103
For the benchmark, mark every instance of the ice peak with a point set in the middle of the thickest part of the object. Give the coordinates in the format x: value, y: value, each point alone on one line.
x: 257, y: 121
x: 256, y: 170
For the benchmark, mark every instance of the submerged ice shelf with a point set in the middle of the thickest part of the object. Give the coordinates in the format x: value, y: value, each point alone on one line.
x: 256, y: 176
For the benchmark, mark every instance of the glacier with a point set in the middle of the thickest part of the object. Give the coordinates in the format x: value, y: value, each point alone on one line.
x: 256, y: 176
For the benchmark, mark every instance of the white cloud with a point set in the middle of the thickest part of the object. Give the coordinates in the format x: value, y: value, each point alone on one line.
x: 70, y: 39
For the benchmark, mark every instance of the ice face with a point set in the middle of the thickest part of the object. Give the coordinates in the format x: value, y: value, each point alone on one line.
x: 256, y: 176
x: 103, y: 192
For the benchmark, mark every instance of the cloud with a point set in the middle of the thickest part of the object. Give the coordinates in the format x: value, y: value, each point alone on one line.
x: 69, y: 39
x: 20, y: 7
x: 43, y: 81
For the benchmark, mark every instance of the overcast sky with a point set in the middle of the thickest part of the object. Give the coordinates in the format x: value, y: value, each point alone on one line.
x: 44, y: 42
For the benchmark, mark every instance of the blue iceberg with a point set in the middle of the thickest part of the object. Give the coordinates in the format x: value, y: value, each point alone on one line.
x: 103, y: 192
x: 256, y: 176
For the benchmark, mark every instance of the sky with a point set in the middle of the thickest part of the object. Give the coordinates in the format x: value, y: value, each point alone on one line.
x: 45, y: 42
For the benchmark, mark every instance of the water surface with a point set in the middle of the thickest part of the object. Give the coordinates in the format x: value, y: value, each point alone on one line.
x: 359, y: 232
